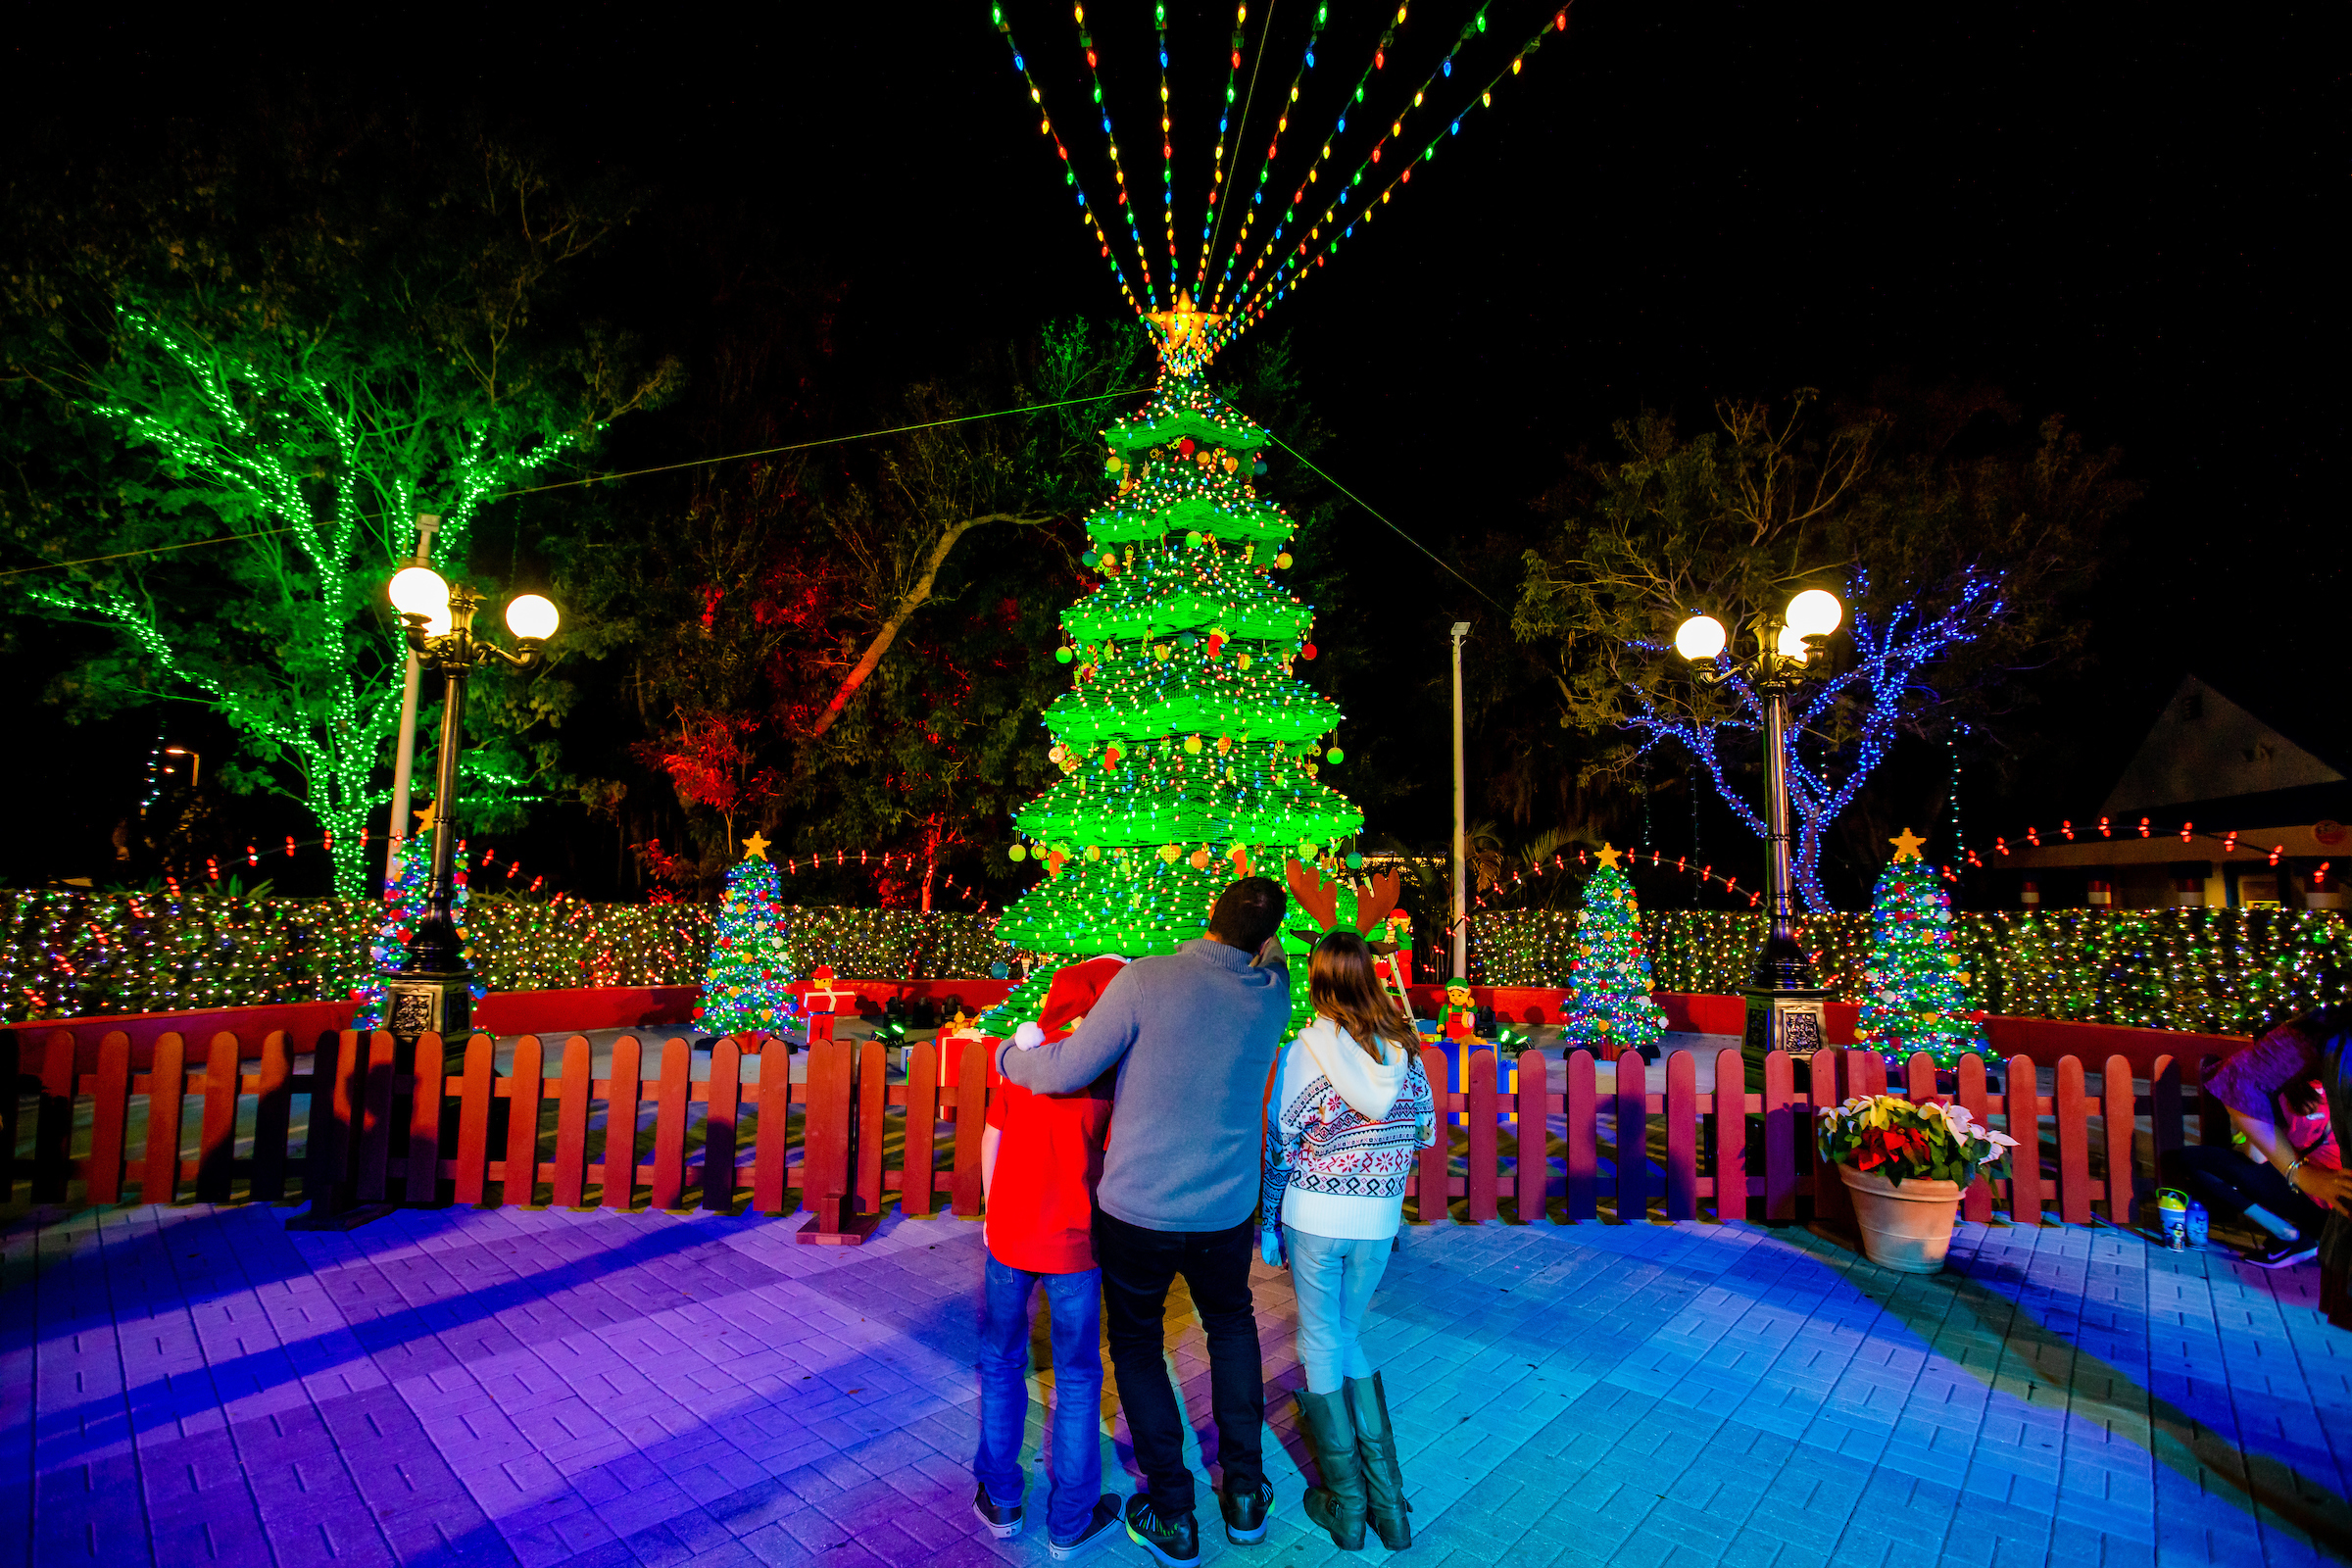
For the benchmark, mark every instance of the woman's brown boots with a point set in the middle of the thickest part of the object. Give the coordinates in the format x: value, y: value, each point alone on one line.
x: 1336, y: 1505
x: 1383, y: 1477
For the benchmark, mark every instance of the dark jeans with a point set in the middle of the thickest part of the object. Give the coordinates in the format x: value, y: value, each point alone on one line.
x: 2227, y: 1183
x: 1076, y: 1449
x: 1138, y: 1266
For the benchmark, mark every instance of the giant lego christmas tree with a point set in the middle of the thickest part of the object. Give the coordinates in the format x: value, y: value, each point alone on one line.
x: 1190, y: 750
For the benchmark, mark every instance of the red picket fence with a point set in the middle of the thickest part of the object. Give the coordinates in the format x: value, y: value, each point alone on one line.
x: 378, y: 1132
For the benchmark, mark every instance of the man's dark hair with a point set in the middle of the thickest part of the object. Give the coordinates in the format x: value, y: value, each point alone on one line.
x: 1248, y: 913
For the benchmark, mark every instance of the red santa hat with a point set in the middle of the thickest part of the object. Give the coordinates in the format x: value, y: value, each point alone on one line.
x: 1069, y: 997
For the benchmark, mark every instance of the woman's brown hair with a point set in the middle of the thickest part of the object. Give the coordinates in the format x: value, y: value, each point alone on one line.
x: 1343, y: 987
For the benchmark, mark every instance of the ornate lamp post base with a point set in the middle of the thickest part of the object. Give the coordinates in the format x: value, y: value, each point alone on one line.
x: 428, y: 1002
x: 1793, y: 1021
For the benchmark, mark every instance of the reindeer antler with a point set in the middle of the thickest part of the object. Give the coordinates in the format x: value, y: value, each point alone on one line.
x: 1315, y: 895
x: 1372, y: 906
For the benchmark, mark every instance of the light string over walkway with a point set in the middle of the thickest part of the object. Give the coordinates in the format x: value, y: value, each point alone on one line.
x: 1252, y: 308
x: 1255, y: 196
x: 1069, y: 170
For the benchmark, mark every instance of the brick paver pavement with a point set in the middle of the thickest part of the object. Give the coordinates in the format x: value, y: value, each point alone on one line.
x: 196, y: 1385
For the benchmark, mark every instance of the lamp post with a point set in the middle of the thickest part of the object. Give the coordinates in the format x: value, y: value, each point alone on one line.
x: 1785, y: 999
x: 430, y: 991
x: 1459, y: 930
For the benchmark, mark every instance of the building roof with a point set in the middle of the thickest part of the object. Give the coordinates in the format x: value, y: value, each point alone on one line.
x: 2204, y: 749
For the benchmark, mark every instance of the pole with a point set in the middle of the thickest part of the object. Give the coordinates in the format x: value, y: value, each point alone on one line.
x: 1781, y: 964
x: 1460, y: 929
x: 404, y: 751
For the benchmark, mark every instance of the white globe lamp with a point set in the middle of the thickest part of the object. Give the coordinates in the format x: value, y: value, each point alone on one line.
x: 531, y: 618
x: 1699, y: 638
x: 1815, y: 613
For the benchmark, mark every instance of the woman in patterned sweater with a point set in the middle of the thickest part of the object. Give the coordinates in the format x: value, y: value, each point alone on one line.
x: 1350, y: 1110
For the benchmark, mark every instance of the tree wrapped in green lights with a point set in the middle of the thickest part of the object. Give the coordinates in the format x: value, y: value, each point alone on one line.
x: 406, y: 902
x: 1190, y: 750
x: 746, y: 985
x: 1913, y: 991
x: 1609, y: 1000
x: 247, y: 366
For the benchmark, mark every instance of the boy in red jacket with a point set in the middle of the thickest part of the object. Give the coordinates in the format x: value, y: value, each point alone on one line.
x: 1040, y: 1158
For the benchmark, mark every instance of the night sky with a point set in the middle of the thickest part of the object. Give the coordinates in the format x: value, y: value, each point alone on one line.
x: 2116, y: 213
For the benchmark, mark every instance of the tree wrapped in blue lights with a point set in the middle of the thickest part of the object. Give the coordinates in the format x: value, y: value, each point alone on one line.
x: 1913, y: 991
x: 406, y: 902
x: 746, y: 985
x: 1609, y: 1002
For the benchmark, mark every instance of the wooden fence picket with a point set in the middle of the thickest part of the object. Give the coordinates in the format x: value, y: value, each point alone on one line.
x: 1532, y: 1184
x: 2118, y: 1111
x: 109, y: 1114
x: 670, y: 1125
x: 719, y: 1121
x: 2022, y: 1103
x: 273, y: 1115
x: 474, y: 1103
x: 1580, y: 1100
x: 1479, y: 1185
x: 370, y: 1125
x: 167, y: 1103
x: 1682, y: 1135
x: 917, y: 1191
x: 217, y: 1143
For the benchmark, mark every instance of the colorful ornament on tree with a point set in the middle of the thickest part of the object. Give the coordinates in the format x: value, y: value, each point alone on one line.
x: 746, y: 984
x: 1914, y: 995
x: 1177, y: 640
x: 1609, y: 984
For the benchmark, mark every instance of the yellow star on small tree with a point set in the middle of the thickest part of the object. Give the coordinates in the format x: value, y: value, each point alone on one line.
x: 1609, y: 855
x: 1906, y: 845
x: 755, y: 847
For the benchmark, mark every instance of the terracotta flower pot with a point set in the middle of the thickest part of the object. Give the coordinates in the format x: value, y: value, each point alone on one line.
x: 1906, y: 1227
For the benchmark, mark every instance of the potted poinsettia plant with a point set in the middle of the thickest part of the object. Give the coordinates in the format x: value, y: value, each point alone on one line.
x: 1906, y: 1165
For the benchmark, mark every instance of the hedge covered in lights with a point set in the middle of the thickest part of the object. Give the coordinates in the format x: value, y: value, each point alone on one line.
x: 69, y: 954
x: 2216, y: 971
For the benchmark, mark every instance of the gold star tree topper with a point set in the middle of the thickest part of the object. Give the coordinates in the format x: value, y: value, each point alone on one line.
x: 1906, y: 845
x: 1609, y: 855
x: 755, y: 847
x: 1183, y: 335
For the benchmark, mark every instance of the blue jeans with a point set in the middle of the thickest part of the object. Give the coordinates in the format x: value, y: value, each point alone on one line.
x: 1075, y: 1304
x: 1333, y: 1280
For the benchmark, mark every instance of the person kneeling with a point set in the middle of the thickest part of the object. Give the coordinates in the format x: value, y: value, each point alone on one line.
x: 1350, y: 1110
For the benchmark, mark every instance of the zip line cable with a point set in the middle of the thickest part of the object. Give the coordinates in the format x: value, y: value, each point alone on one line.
x: 600, y: 478
x: 1241, y: 131
x: 1398, y: 532
x: 826, y: 441
x: 800, y: 445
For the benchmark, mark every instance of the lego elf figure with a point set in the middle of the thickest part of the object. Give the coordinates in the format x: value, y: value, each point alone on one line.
x: 1458, y: 1018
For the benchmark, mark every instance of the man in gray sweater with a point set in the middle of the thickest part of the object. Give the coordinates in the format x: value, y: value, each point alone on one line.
x: 1192, y: 1036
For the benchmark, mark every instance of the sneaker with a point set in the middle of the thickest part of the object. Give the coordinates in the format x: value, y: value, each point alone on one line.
x: 1097, y: 1531
x: 1003, y: 1520
x: 1245, y: 1521
x: 1174, y: 1541
x: 2287, y: 1255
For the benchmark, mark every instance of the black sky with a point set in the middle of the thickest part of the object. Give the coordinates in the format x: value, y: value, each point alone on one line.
x: 2120, y: 213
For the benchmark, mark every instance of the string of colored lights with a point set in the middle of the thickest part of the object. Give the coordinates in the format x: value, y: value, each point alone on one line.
x: 1167, y: 145
x: 1252, y: 307
x: 1380, y: 56
x: 1281, y: 123
x: 1118, y: 169
x: 1069, y: 170
x: 2107, y: 828
x: 1212, y: 213
x: 1633, y: 857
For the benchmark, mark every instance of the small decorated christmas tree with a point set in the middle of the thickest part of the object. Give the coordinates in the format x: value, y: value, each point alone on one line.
x: 1913, y: 989
x: 1609, y: 1001
x: 745, y: 985
x: 406, y: 902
